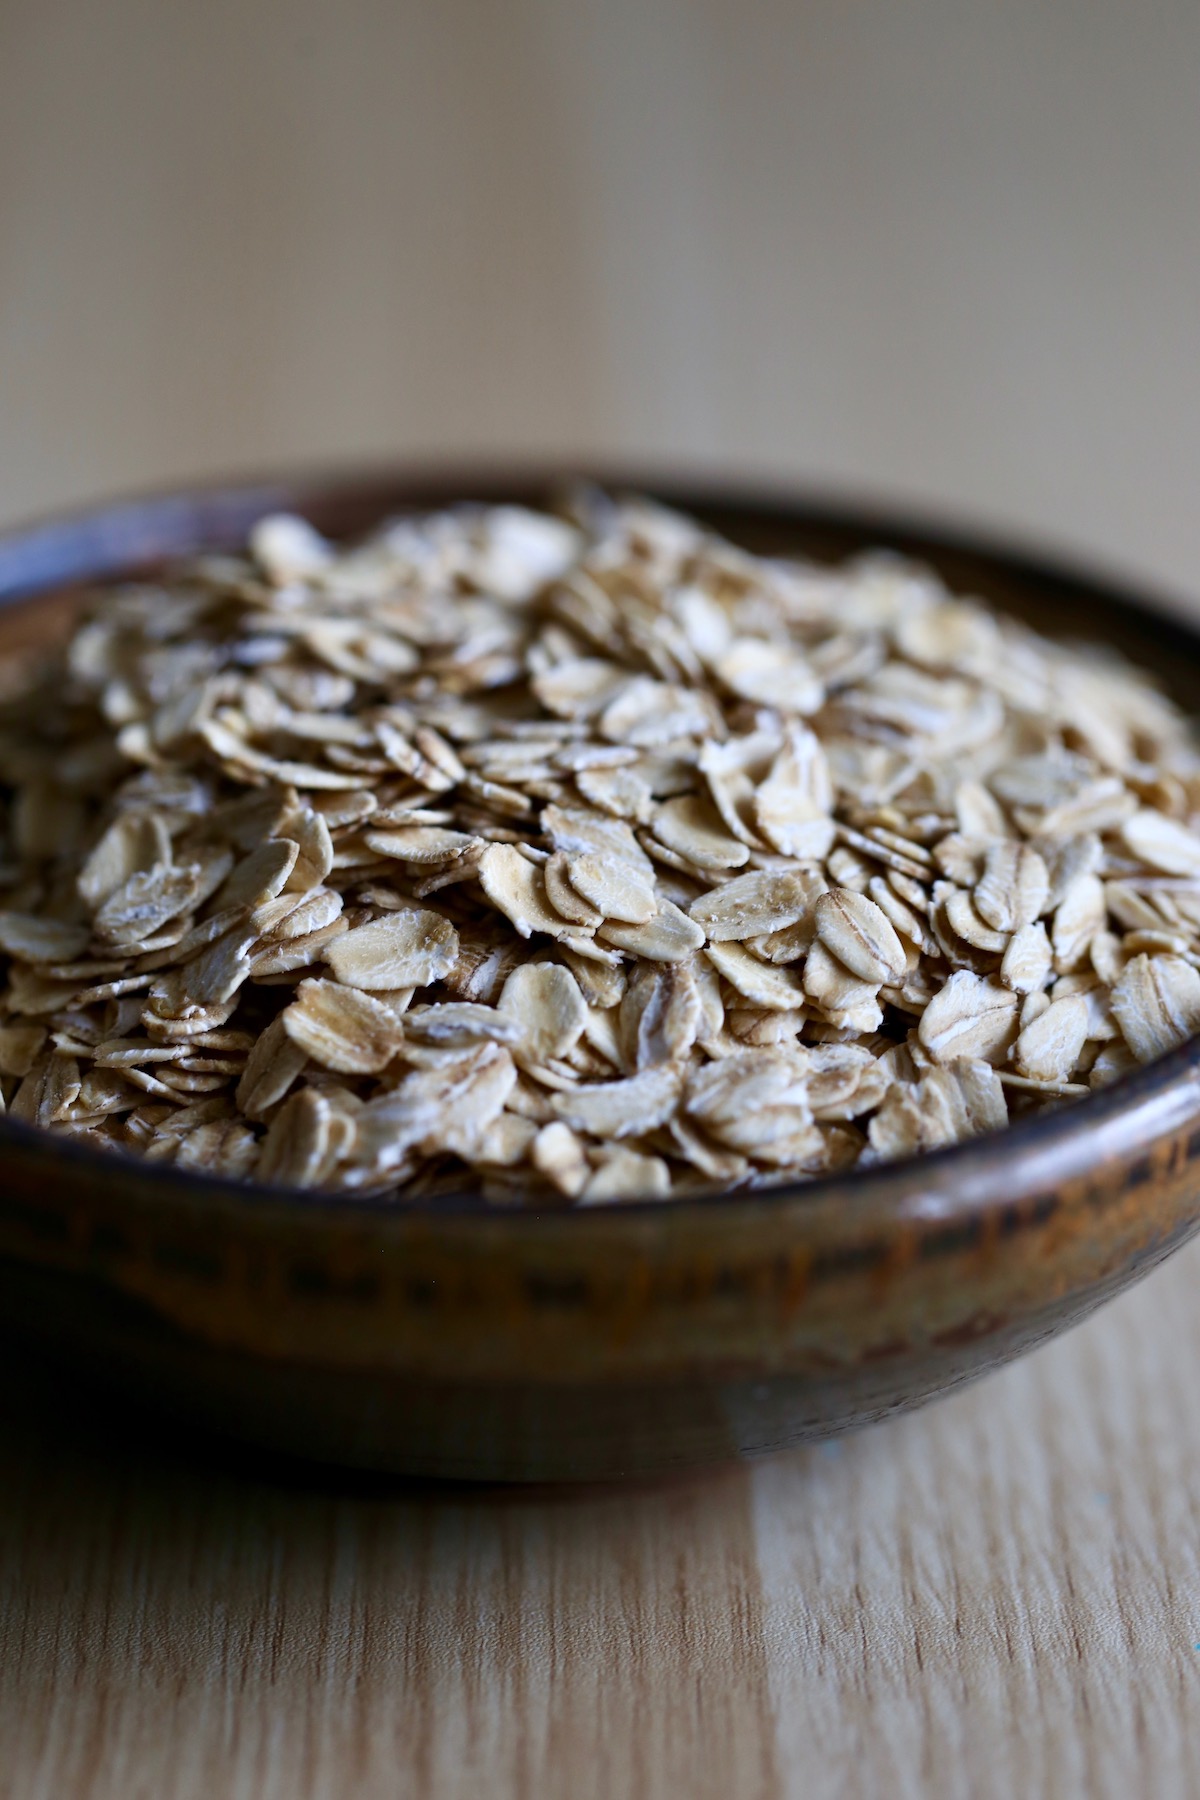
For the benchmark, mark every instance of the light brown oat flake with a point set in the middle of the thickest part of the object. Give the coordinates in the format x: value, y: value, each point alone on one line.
x: 970, y: 1017
x: 583, y: 832
x: 1049, y: 1047
x: 144, y: 904
x: 1162, y: 843
x: 221, y: 1147
x: 860, y: 935
x: 762, y: 983
x: 517, y: 888
x: 1157, y: 1004
x: 31, y: 939
x: 961, y: 916
x: 829, y: 983
x: 770, y: 674
x: 1078, y: 917
x: 614, y: 889
x: 271, y: 1068
x: 625, y: 1108
x: 1027, y: 960
x: 626, y: 1175
x: 558, y: 1154
x: 259, y: 876
x: 446, y: 1108
x: 294, y: 1149
x: 755, y: 905
x: 431, y: 844
x: 564, y: 897
x: 1013, y: 888
x: 134, y: 841
x: 793, y: 807
x: 342, y: 1029
x: 621, y: 792
x: 402, y: 949
x: 692, y: 828
x: 459, y: 1024
x: 668, y: 937
x: 544, y: 1001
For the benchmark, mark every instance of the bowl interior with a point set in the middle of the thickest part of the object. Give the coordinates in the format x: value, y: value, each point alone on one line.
x: 47, y: 570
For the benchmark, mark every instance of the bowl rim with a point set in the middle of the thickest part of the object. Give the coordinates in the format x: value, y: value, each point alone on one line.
x: 122, y: 538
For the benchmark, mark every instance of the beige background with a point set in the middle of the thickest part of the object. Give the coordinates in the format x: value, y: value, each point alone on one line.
x: 944, y: 252
x: 940, y: 252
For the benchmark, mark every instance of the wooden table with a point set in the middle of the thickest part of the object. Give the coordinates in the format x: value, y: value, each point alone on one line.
x: 997, y: 1596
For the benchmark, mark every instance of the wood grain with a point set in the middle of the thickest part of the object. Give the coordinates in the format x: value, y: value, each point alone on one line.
x: 999, y: 1595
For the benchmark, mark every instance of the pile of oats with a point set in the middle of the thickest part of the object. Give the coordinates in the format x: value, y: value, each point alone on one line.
x: 583, y: 855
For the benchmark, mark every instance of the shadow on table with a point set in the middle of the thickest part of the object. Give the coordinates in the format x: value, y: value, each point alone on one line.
x: 218, y: 1590
x: 45, y: 1416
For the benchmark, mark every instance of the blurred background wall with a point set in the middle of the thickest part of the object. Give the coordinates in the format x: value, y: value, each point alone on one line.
x: 939, y: 253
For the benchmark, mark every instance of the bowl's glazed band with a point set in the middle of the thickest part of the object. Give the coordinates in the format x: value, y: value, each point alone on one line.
x: 970, y: 1242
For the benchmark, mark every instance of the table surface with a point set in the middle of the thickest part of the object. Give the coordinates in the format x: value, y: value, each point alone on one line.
x: 999, y: 1595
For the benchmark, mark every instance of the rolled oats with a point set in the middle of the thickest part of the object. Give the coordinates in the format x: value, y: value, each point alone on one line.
x: 668, y: 937
x: 764, y: 984
x: 1048, y: 1048
x: 1162, y: 843
x: 969, y: 1017
x: 1027, y: 959
x: 544, y: 1001
x: 757, y: 905
x: 859, y: 934
x: 401, y: 949
x: 612, y: 888
x: 693, y: 829
x: 584, y: 857
x: 1013, y: 888
x: 1156, y: 1003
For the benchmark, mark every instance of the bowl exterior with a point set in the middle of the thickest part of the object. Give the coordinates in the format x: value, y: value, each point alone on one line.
x: 576, y: 1345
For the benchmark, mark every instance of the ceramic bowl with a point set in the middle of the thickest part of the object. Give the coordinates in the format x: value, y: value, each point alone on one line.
x: 603, y: 1342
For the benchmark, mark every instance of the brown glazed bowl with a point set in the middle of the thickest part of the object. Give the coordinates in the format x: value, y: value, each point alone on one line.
x: 609, y: 1341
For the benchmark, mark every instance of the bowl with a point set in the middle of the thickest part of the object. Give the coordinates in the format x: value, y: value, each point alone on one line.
x: 601, y: 1342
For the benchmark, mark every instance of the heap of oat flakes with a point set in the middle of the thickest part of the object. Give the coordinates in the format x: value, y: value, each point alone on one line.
x: 584, y: 854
